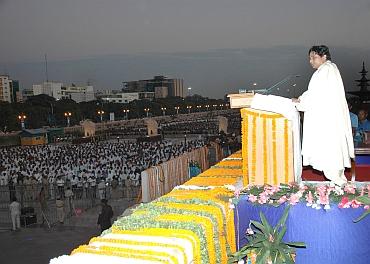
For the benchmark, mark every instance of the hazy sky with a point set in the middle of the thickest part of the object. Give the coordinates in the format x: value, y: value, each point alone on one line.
x: 79, y: 30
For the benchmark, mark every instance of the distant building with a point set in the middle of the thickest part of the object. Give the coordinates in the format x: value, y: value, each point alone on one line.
x: 26, y: 93
x: 363, y: 83
x: 175, y: 87
x: 53, y: 89
x: 125, y: 98
x: 5, y: 88
x: 78, y: 93
x: 161, y: 92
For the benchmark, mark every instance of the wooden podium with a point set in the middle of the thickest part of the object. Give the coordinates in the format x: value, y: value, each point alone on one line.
x: 267, y: 144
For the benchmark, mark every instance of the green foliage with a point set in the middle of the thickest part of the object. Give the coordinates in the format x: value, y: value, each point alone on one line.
x: 266, y: 242
x: 365, y: 200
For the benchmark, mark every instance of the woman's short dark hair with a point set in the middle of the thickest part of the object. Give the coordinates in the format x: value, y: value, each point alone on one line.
x: 321, y: 51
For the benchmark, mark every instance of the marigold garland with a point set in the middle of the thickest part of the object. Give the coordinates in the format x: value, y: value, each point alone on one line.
x: 211, y: 210
x: 140, y: 243
x: 211, y: 181
x: 133, y: 254
x: 205, y: 222
x: 158, y: 232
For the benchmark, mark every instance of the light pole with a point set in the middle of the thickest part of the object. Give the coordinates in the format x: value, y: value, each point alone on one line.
x: 21, y: 118
x: 68, y: 115
x: 163, y: 110
x: 221, y: 106
x: 189, y: 91
x: 214, y: 106
x: 147, y: 111
x: 189, y: 108
x: 101, y: 113
x: 177, y: 109
x: 126, y: 111
x: 226, y: 105
x: 199, y: 108
x: 207, y: 106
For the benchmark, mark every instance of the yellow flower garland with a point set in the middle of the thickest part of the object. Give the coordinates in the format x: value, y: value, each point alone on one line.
x: 223, y: 171
x: 141, y: 243
x: 211, y: 195
x: 210, y: 181
x: 179, y: 233
x: 133, y: 254
x: 203, y: 221
x: 205, y: 208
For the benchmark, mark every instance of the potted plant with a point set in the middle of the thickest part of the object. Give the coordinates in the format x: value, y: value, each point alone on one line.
x: 266, y: 244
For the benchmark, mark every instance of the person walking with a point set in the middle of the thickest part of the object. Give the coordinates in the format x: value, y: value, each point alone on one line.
x: 105, y: 216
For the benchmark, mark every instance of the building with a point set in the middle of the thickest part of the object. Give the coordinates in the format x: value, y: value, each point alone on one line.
x: 26, y: 93
x: 5, y: 88
x: 125, y: 98
x: 363, y: 83
x: 78, y: 93
x: 161, y: 92
x: 175, y: 87
x: 53, y: 89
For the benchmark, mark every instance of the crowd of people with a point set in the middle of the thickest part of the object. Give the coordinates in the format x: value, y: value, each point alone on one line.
x: 85, y: 167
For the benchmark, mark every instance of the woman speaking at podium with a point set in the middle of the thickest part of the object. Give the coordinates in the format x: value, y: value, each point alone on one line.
x: 327, y: 143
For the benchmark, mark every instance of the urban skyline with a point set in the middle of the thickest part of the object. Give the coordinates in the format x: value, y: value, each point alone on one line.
x: 217, y: 47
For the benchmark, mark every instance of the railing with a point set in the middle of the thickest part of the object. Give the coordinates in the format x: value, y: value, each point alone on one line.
x: 82, y: 199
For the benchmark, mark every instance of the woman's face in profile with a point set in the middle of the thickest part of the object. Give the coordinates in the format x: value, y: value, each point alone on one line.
x: 316, y: 60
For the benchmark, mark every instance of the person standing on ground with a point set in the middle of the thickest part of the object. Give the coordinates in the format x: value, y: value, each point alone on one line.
x: 105, y: 216
x: 327, y: 134
x: 15, y: 213
x: 60, y: 210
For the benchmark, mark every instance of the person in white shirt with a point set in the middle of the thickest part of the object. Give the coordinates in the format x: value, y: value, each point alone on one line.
x: 327, y: 134
x: 15, y: 213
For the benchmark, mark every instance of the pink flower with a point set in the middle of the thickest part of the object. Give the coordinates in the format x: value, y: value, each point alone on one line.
x: 355, y: 204
x: 293, y: 199
x: 324, y: 199
x: 367, y: 207
x: 250, y: 231
x: 237, y: 193
x: 271, y: 238
x: 362, y: 191
x: 263, y: 198
x: 282, y: 199
x: 321, y: 190
x: 252, y: 198
x: 368, y: 190
x: 350, y: 188
x: 309, y: 198
x: 344, y: 203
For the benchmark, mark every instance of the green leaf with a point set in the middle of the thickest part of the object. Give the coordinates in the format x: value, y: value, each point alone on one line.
x: 363, y: 199
x: 280, y: 235
x: 362, y: 216
x: 265, y: 223
x: 259, y: 226
x: 296, y: 244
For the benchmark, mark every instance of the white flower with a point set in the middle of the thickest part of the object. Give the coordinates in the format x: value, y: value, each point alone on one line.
x: 241, y: 261
x: 309, y: 204
x: 231, y: 206
x: 327, y: 207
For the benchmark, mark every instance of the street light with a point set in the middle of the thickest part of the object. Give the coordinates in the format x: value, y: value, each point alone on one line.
x: 207, y: 106
x: 147, y: 111
x: 214, y: 106
x: 227, y: 105
x: 221, y: 106
x: 101, y: 113
x: 68, y: 115
x: 177, y: 109
x: 21, y: 118
x: 189, y: 91
x: 189, y: 108
x: 163, y: 110
x: 126, y: 111
x: 199, y: 107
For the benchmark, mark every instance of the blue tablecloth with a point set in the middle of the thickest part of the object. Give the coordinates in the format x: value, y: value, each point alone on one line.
x: 330, y: 235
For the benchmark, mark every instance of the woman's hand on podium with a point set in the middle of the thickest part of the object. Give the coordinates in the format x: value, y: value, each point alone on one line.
x: 295, y: 100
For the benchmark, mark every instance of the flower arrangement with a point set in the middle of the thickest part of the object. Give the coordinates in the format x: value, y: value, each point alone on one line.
x: 265, y: 244
x: 315, y: 196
